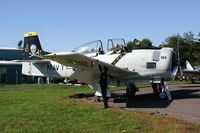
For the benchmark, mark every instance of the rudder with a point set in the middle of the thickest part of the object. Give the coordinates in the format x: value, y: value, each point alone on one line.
x: 32, y: 46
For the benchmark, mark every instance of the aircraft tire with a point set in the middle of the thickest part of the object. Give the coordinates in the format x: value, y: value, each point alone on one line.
x: 192, y: 80
x: 155, y: 88
x: 162, y: 95
x: 131, y: 90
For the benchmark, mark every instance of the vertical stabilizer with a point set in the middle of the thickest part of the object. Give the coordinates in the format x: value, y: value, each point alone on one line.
x: 32, y: 46
x: 189, y: 66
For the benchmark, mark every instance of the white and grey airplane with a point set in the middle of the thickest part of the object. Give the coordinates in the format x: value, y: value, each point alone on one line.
x: 191, y: 72
x: 125, y: 67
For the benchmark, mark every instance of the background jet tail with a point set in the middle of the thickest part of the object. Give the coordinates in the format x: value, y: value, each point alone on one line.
x: 32, y: 46
x: 189, y: 66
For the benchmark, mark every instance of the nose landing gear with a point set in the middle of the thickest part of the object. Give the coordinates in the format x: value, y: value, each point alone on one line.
x: 158, y: 89
x: 162, y: 90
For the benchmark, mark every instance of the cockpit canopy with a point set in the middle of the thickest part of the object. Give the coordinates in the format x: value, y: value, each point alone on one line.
x: 94, y: 47
x: 115, y: 43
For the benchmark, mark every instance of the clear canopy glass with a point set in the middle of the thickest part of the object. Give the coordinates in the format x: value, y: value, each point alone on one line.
x: 115, y: 43
x: 89, y: 47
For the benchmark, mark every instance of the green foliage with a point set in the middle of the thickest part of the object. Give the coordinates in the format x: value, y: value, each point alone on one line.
x: 130, y: 46
x: 147, y: 42
x: 189, y: 47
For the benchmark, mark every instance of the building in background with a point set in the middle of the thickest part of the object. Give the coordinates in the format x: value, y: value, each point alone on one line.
x: 9, y: 54
x: 10, y: 71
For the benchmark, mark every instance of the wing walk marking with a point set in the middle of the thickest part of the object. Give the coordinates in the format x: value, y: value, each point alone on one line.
x: 118, y: 58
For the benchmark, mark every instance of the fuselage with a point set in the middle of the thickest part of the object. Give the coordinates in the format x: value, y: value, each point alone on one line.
x: 149, y: 63
x: 47, y: 69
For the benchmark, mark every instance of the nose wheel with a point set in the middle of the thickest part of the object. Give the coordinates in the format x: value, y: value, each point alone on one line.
x: 158, y: 89
x: 162, y: 95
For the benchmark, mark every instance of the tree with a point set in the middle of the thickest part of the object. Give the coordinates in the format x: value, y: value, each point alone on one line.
x: 130, y: 45
x: 147, y: 42
x: 189, y: 47
x: 198, y: 38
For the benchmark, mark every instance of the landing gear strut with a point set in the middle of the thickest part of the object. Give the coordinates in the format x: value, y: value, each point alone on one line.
x: 155, y: 87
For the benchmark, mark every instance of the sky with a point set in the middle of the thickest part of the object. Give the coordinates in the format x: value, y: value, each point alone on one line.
x: 63, y: 25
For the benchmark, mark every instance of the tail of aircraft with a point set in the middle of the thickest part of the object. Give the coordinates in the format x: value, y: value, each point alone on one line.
x: 189, y: 66
x: 32, y: 46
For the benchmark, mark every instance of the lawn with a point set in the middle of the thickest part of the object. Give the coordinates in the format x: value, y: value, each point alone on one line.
x: 51, y: 110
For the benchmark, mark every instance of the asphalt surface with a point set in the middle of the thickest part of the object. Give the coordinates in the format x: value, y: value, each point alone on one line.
x: 185, y: 103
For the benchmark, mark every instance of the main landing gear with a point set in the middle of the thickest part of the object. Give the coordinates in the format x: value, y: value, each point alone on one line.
x: 131, y: 89
x: 160, y: 89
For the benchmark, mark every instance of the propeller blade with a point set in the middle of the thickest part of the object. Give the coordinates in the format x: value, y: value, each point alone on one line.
x: 180, y: 71
x: 174, y: 72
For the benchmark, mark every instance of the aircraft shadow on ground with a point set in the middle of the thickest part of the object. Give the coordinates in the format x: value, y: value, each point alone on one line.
x: 153, y: 101
x: 81, y: 95
x: 191, y: 86
x: 149, y: 100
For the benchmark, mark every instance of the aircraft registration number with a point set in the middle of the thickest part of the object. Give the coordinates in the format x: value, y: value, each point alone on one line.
x: 163, y: 57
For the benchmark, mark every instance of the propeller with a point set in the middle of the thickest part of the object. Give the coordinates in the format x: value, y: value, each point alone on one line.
x: 174, y: 72
x: 178, y: 66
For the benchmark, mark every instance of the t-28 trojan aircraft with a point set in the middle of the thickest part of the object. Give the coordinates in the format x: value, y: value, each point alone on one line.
x: 125, y: 67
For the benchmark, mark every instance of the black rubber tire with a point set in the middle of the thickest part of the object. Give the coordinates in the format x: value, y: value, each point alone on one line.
x: 131, y: 90
x: 192, y: 81
x: 155, y: 88
x: 162, y: 95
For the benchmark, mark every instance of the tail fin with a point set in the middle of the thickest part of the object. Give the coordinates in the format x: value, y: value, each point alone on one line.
x: 32, y: 46
x: 189, y: 66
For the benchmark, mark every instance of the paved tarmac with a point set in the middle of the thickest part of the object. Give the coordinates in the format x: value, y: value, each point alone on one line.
x: 184, y: 105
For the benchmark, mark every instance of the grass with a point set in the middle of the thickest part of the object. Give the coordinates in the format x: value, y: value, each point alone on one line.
x: 51, y: 110
x: 13, y: 86
x: 64, y: 86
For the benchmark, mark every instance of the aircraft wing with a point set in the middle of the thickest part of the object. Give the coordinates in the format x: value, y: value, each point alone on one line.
x: 191, y: 73
x: 33, y: 61
x: 90, y: 65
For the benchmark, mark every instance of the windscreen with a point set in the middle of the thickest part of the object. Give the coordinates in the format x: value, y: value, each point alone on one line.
x: 87, y: 47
